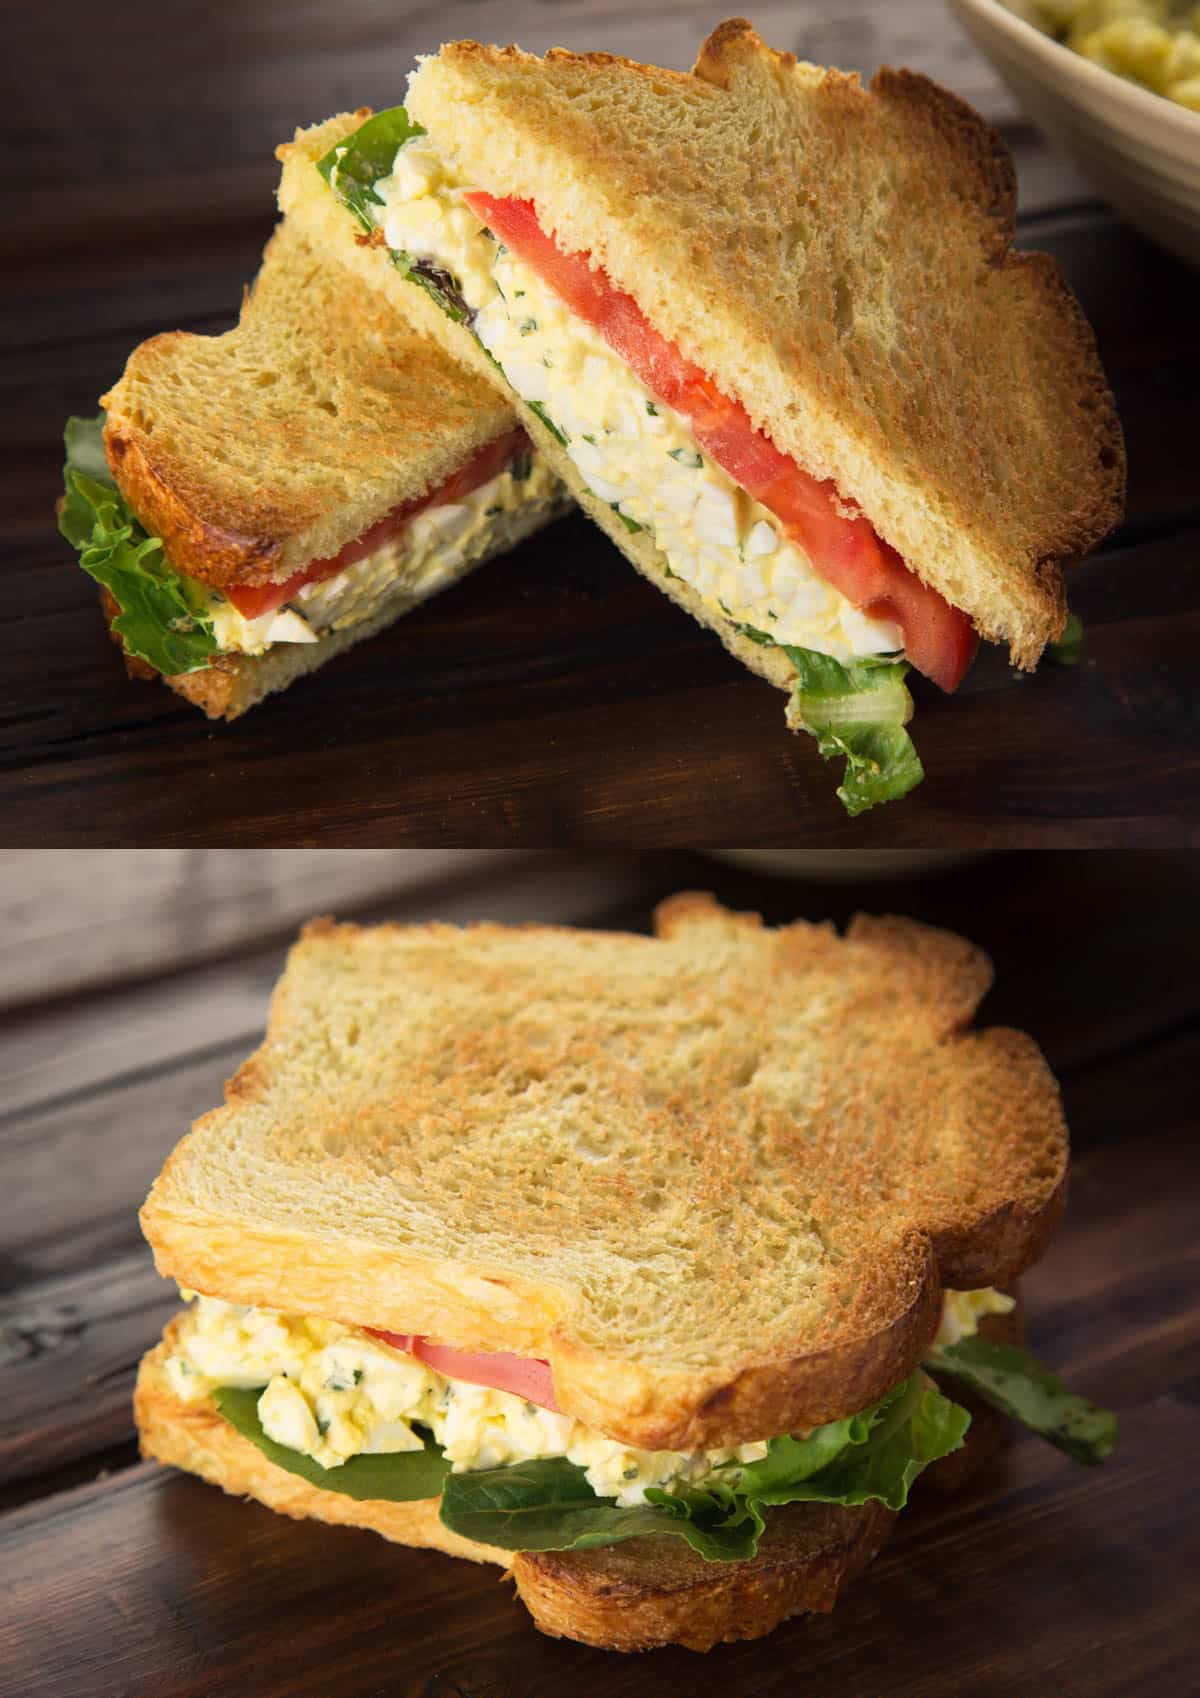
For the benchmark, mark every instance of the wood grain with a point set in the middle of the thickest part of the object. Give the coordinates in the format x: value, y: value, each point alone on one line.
x: 555, y: 698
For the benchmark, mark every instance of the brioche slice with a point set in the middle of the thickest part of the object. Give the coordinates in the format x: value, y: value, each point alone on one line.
x: 255, y: 453
x: 717, y: 1178
x: 837, y: 260
x: 626, y: 1597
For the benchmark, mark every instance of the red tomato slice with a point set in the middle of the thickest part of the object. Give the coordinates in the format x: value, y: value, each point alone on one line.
x: 524, y: 1376
x: 848, y: 554
x: 252, y: 601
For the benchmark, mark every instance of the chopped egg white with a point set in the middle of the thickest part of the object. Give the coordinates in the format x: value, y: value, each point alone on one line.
x: 427, y: 554
x: 332, y: 1392
x: 632, y: 451
x: 962, y: 1312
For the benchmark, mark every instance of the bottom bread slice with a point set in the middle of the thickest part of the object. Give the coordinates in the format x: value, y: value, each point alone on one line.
x: 632, y: 1596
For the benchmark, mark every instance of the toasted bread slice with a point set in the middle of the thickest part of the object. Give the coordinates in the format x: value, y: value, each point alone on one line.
x: 626, y: 1597
x: 717, y: 1178
x: 255, y: 453
x: 840, y: 262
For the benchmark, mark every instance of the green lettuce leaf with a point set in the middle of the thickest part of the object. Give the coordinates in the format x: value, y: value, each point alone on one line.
x: 718, y: 1522
x: 540, y: 1506
x: 887, y: 1448
x: 857, y: 713
x: 549, y: 1506
x: 1014, y: 1382
x: 162, y: 618
x: 355, y: 166
x: 398, y: 1477
x: 1071, y: 647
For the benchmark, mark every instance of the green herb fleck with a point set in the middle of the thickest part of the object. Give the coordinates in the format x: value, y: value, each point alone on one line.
x: 537, y: 408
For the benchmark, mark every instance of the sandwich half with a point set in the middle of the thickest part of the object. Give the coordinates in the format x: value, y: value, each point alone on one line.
x: 252, y: 504
x: 769, y: 328
x: 654, y: 1269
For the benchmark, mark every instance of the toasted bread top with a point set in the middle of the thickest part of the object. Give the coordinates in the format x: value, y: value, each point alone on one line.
x: 717, y: 1178
x: 839, y: 261
x: 254, y: 453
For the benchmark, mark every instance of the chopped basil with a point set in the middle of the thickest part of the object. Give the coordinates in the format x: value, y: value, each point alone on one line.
x: 353, y: 169
x: 537, y: 408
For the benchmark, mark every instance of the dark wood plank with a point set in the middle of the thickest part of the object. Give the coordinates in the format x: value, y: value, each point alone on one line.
x: 1043, y: 1572
x: 171, y: 908
x: 468, y: 723
x: 555, y: 697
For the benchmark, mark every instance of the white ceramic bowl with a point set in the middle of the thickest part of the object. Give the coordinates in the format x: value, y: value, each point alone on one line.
x: 1141, y: 150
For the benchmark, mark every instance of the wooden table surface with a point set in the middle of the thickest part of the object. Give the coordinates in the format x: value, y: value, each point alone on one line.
x: 120, y: 1578
x: 554, y: 697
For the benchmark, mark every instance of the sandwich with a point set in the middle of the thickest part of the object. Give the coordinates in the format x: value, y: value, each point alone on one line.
x: 769, y: 328
x: 252, y: 504
x: 657, y: 1270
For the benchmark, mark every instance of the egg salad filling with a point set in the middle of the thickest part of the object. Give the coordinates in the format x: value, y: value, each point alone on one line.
x: 1152, y: 42
x: 333, y: 1392
x: 632, y: 451
x: 177, y: 625
x: 434, y: 548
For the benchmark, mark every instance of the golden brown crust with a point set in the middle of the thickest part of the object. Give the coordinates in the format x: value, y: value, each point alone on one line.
x: 820, y: 1144
x: 650, y: 1592
x: 841, y: 262
x: 165, y: 498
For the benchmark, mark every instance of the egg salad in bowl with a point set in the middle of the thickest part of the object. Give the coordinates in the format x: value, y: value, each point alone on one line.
x: 1152, y: 42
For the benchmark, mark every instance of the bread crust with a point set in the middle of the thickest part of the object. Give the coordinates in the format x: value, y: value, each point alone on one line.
x: 841, y: 262
x: 896, y: 1231
x: 633, y: 1596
